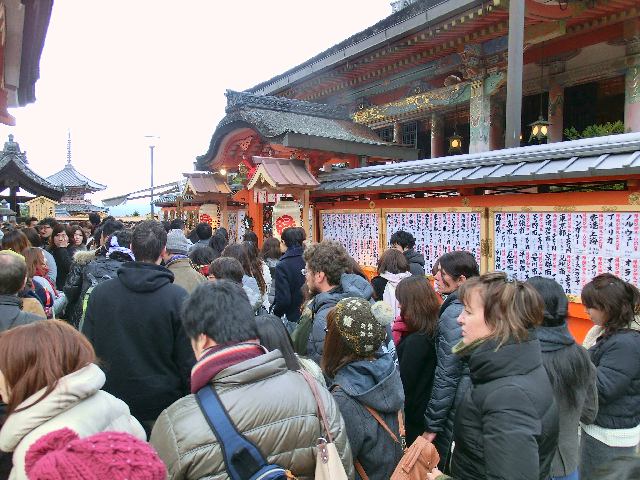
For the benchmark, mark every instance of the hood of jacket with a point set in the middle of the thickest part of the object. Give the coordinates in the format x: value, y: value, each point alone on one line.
x: 10, y: 308
x: 556, y: 338
x: 395, y: 278
x: 414, y: 257
x: 83, y: 257
x: 144, y: 277
x: 376, y: 383
x: 69, y: 391
x: 487, y: 364
x: 351, y: 285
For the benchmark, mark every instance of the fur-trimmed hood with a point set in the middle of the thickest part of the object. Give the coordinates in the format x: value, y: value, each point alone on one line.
x: 83, y: 257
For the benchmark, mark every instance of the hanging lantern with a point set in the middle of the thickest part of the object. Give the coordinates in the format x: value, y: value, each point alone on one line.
x: 455, y: 144
x: 539, y: 130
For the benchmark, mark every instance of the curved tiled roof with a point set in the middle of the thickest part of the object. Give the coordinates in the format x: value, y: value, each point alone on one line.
x: 70, y: 177
x: 13, y: 167
x: 274, y: 117
x: 591, y: 157
x: 412, y: 10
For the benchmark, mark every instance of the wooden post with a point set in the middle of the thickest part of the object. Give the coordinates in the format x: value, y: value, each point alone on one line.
x: 224, y: 214
x: 305, y: 214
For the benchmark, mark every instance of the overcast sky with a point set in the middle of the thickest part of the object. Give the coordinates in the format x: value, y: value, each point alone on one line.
x: 113, y: 72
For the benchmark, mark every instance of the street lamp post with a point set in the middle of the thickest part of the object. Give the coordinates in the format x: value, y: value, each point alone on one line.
x: 151, y: 139
x: 151, y: 147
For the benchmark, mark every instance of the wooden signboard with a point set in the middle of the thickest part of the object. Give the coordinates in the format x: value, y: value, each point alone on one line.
x: 439, y: 230
x: 569, y: 244
x: 358, y: 230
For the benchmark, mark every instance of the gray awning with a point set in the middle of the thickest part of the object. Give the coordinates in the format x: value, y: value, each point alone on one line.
x: 593, y: 157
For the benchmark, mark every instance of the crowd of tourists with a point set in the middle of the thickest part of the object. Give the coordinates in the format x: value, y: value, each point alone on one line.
x: 160, y: 352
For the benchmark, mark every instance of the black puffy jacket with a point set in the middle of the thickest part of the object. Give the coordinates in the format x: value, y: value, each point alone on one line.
x: 73, y: 285
x: 451, y: 378
x: 506, y: 426
x: 617, y: 361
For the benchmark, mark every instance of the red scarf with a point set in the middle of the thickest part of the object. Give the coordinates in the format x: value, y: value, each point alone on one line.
x: 43, y: 272
x: 216, y: 359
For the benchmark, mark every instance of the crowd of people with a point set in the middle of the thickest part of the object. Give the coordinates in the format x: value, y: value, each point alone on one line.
x: 157, y: 352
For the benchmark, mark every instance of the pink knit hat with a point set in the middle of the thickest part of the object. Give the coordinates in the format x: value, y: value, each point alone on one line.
x: 62, y: 455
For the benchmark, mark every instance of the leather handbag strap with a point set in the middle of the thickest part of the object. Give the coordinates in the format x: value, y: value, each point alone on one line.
x: 379, y: 419
x: 313, y: 384
x: 360, y: 470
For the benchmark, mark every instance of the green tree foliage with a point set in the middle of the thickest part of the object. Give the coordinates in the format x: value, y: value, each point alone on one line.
x: 597, y: 130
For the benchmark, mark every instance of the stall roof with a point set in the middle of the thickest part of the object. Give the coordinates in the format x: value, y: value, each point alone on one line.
x: 205, y: 182
x: 282, y: 174
x: 593, y: 157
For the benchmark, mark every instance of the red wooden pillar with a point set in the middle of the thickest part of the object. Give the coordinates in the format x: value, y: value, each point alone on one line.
x: 254, y: 210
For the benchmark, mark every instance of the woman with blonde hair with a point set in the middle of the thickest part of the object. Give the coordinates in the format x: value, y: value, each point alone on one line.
x: 49, y: 380
x: 507, y: 424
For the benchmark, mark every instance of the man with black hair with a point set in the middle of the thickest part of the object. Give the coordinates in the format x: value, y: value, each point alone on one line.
x: 45, y: 229
x: 404, y: 242
x: 133, y: 322
x: 288, y: 279
x: 203, y: 232
x: 13, y: 277
x: 94, y: 219
x: 272, y: 406
x: 32, y: 222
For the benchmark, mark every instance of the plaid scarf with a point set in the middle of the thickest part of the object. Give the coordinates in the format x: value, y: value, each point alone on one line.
x: 216, y: 359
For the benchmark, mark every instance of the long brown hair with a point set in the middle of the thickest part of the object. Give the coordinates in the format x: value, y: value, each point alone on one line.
x: 336, y: 353
x: 511, y: 307
x: 393, y: 261
x: 35, y: 356
x: 34, y: 258
x: 419, y: 304
x: 240, y: 251
x: 617, y: 299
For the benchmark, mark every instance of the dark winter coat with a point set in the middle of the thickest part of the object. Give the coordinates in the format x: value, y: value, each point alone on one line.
x: 351, y: 285
x: 134, y: 324
x: 506, y: 427
x: 617, y: 361
x: 98, y: 270
x: 73, y: 285
x: 288, y: 281
x: 451, y: 379
x: 375, y: 384
x: 416, y: 262
x: 417, y: 361
x: 562, y: 353
x: 11, y: 314
x: 63, y: 258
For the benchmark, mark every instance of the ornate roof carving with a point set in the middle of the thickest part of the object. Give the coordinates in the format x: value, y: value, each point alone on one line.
x: 237, y: 100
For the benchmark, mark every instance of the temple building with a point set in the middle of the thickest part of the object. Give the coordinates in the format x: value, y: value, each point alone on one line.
x: 16, y: 176
x: 75, y: 186
x: 406, y: 125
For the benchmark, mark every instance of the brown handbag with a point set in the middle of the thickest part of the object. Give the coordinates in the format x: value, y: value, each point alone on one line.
x: 417, y: 460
